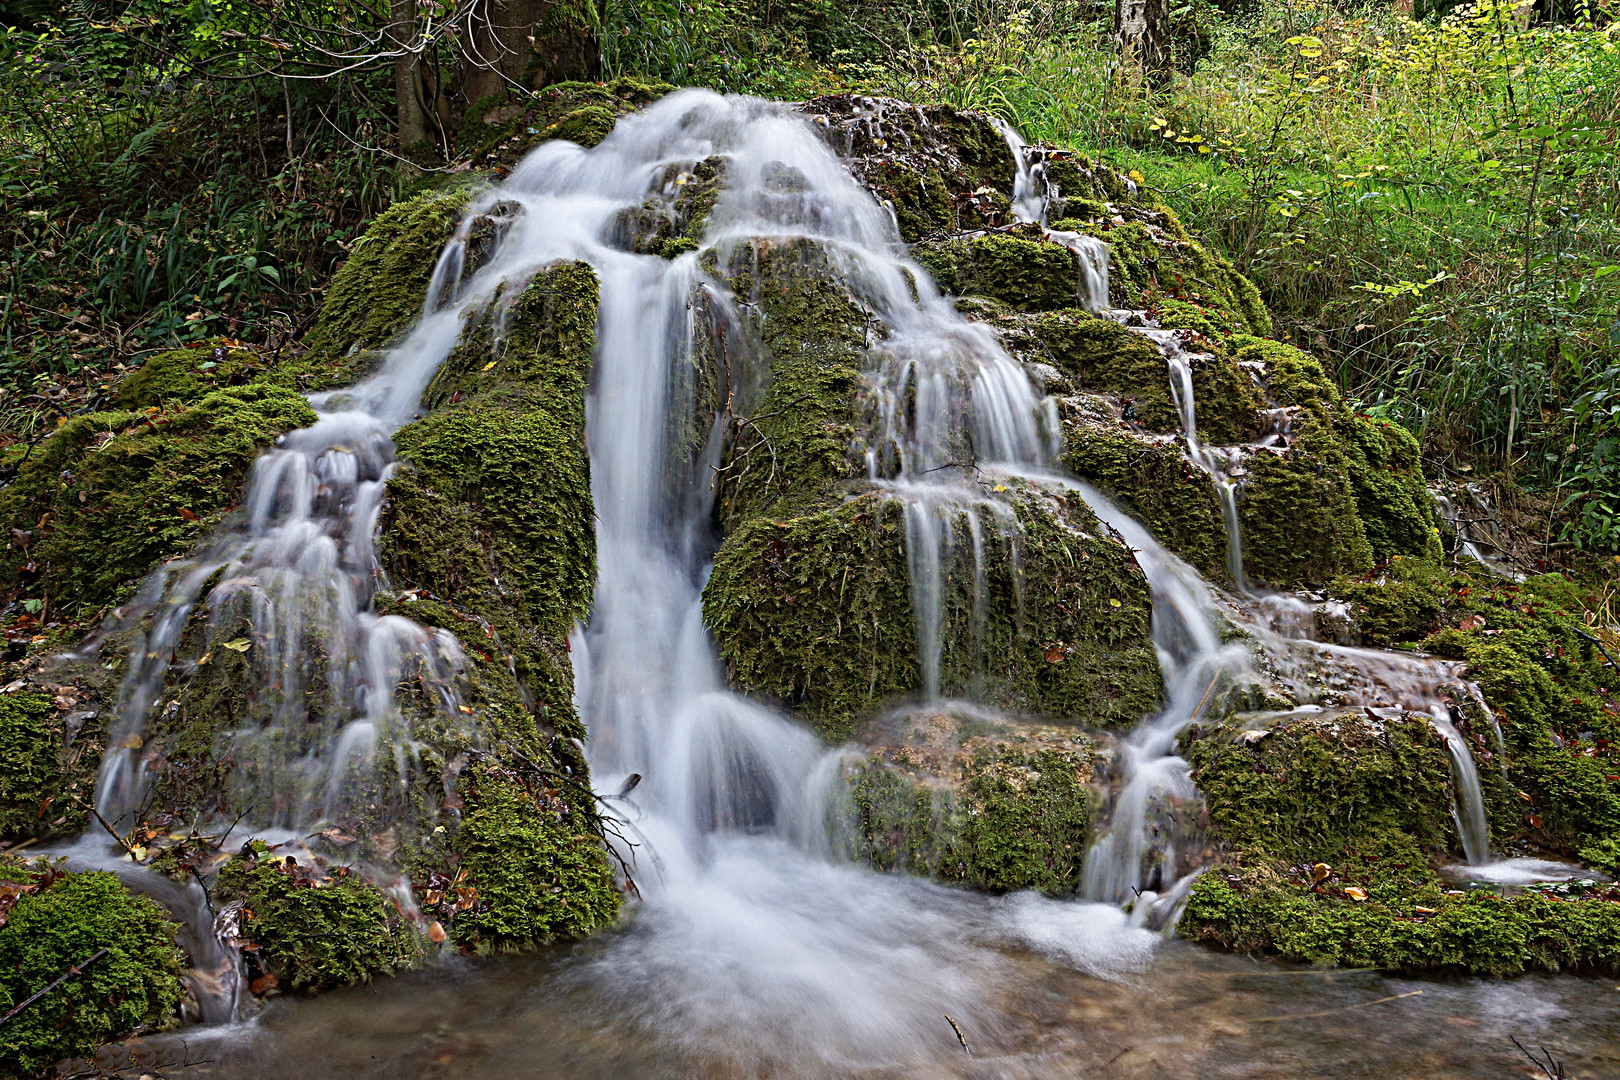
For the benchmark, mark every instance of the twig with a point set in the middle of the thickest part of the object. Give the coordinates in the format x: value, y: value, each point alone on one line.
x: 130, y: 851
x: 959, y: 1036
x: 1347, y: 1008
x: 1599, y: 645
x: 76, y: 969
x: 1552, y: 1067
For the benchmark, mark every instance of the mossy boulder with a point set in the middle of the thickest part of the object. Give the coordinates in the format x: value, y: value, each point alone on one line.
x: 310, y: 927
x: 53, y: 921
x: 50, y: 745
x: 378, y: 292
x: 992, y: 805
x: 110, y: 494
x: 1101, y: 355
x: 795, y: 402
x: 1017, y: 266
x: 814, y: 610
x: 1152, y: 480
x: 940, y: 169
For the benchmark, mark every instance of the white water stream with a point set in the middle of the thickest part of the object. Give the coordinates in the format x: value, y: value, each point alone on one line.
x: 750, y: 930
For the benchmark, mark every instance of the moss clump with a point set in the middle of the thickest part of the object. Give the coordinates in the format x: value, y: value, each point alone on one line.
x: 1402, y: 600
x: 1155, y: 483
x: 1101, y: 355
x: 533, y: 856
x: 795, y: 430
x: 378, y: 292
x: 1346, y: 492
x: 111, y: 494
x: 1153, y: 262
x: 1021, y: 268
x: 30, y: 773
x: 1553, y: 695
x: 183, y: 376
x: 55, y: 920
x: 314, y: 930
x: 988, y: 806
x: 815, y: 611
x: 1427, y: 928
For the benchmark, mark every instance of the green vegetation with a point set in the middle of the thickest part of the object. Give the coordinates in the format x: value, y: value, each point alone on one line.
x: 50, y: 921
x: 314, y: 930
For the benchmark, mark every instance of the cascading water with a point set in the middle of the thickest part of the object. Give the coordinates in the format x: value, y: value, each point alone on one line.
x: 749, y: 927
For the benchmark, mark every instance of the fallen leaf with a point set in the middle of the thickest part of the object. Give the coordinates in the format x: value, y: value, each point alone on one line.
x: 1320, y: 872
x: 1358, y: 895
x: 1252, y: 736
x: 1472, y: 622
x: 489, y: 365
x: 1056, y: 654
x: 241, y: 644
x: 1535, y: 821
x: 436, y: 933
x: 187, y: 514
x: 1426, y: 911
x: 466, y: 897
x: 264, y: 984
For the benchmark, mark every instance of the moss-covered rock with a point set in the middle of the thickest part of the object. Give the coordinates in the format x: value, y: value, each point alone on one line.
x: 29, y: 770
x: 1153, y: 481
x: 311, y: 928
x: 991, y: 805
x: 814, y: 610
x: 1018, y: 267
x: 794, y: 403
x: 500, y: 129
x: 111, y: 494
x: 52, y: 921
x: 941, y: 170
x: 378, y: 293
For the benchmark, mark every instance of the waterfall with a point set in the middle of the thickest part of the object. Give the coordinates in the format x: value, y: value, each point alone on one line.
x: 748, y: 923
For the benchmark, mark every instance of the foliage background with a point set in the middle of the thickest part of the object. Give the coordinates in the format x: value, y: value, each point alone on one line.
x: 1429, y: 203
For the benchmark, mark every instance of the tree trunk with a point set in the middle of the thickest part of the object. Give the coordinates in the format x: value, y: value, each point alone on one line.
x: 410, y: 97
x: 1142, y: 36
x: 524, y: 44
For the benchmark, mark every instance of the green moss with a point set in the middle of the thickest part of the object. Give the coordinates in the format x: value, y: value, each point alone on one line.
x: 1325, y: 788
x: 1026, y: 271
x: 30, y: 772
x: 537, y: 865
x: 1100, y: 354
x: 1477, y: 932
x: 502, y: 127
x: 815, y: 611
x: 377, y: 294
x: 111, y: 494
x: 315, y: 930
x: 1000, y: 810
x: 135, y: 985
x: 794, y: 431
x: 1402, y: 600
x: 184, y: 376
x: 1154, y: 483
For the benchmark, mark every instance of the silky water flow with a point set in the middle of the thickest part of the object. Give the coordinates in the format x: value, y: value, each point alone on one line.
x: 752, y: 933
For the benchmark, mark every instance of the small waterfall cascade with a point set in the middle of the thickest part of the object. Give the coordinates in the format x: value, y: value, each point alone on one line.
x: 1124, y: 863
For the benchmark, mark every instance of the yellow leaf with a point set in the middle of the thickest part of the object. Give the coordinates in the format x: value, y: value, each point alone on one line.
x: 489, y: 365
x: 241, y: 644
x: 1358, y: 895
x: 1000, y: 487
x: 1112, y: 602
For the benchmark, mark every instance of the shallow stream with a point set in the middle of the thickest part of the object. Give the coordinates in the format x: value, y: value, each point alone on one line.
x: 1191, y: 1013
